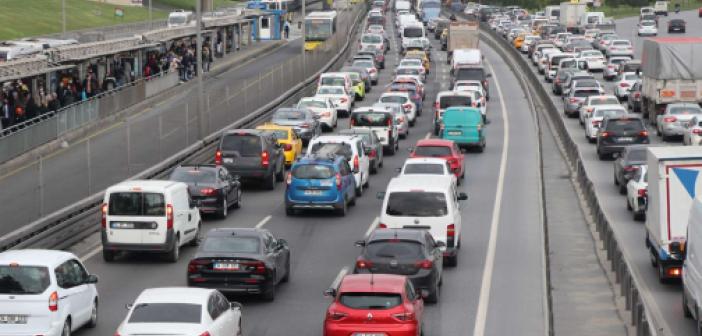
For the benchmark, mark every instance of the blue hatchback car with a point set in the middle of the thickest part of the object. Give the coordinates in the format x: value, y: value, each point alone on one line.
x: 320, y: 182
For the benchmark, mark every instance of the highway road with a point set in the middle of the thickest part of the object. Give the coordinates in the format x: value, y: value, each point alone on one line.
x: 497, y: 288
x: 668, y: 300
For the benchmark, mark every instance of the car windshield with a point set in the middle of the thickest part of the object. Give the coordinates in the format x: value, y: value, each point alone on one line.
x: 166, y: 313
x: 433, y: 151
x: 333, y: 148
x: 370, y: 300
x: 685, y: 110
x: 413, y: 32
x: 23, y: 279
x: 191, y: 175
x: 630, y: 77
x: 313, y: 171
x: 449, y: 101
x: 372, y: 39
x: 424, y: 168
x: 609, y: 113
x: 370, y: 119
x: 393, y: 99
x: 231, y: 244
x: 277, y: 134
x: 625, y: 125
x: 332, y: 81
x: 242, y: 145
x: 330, y: 91
x: 312, y: 104
x: 136, y: 204
x: 394, y: 249
x: 417, y: 204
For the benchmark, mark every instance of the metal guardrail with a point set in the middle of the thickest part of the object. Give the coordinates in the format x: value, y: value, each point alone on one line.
x: 65, y: 227
x: 644, y: 320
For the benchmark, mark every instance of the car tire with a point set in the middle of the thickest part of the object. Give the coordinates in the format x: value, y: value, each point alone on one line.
x: 289, y: 211
x: 434, y: 294
x: 286, y: 278
x: 341, y: 212
x: 628, y: 205
x: 686, y: 311
x: 280, y: 175
x: 639, y: 217
x: 66, y: 329
x: 601, y: 156
x: 174, y: 254
x: 198, y: 236
x: 451, y: 261
x: 374, y: 168
x: 359, y: 188
x: 238, y: 203
x: 391, y: 150
x: 615, y: 180
x: 92, y: 323
x: 269, y: 293
x: 622, y: 189
x: 269, y: 183
x: 223, y: 209
x: 352, y: 202
x: 108, y: 255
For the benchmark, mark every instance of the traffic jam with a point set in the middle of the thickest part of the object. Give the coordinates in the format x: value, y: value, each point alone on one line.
x: 325, y: 151
x: 639, y: 109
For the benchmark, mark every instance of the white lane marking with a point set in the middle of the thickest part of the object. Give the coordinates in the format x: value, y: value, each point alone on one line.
x: 485, y: 287
x: 263, y: 222
x: 428, y: 135
x: 372, y: 226
x: 91, y: 253
x: 337, y: 281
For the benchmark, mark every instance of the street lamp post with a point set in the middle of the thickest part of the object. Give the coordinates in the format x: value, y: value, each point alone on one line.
x: 198, y: 65
x: 63, y: 15
x: 304, y: 58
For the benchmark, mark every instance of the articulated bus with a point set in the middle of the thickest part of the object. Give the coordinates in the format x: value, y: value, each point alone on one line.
x: 319, y: 26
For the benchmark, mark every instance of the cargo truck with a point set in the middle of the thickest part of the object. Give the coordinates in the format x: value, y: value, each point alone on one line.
x: 673, y: 182
x: 461, y: 35
x: 671, y: 71
x: 570, y: 15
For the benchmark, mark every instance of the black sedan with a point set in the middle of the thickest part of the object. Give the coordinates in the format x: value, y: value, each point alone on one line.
x: 676, y: 26
x: 627, y: 164
x: 212, y: 188
x: 412, y: 253
x: 240, y: 261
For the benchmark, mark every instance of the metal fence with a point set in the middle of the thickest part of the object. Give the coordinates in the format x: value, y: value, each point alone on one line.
x: 643, y: 320
x: 109, y: 32
x: 87, y: 167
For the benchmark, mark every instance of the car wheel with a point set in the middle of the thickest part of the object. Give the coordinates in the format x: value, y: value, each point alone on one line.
x: 198, y: 236
x: 223, y: 209
x: 270, y: 182
x: 352, y: 202
x: 342, y: 211
x: 622, y: 189
x: 451, y: 261
x: 108, y: 255
x: 391, y: 150
x: 238, y: 203
x: 686, y: 310
x: 269, y: 293
x: 434, y: 295
x: 614, y: 178
x: 92, y: 323
x: 280, y: 175
x: 601, y: 156
x: 289, y: 211
x: 286, y: 278
x: 66, y: 330
x: 639, y: 217
x: 359, y: 188
x: 174, y: 254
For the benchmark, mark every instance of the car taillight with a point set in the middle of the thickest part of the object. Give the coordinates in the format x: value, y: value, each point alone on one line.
x: 356, y: 164
x: 288, y: 178
x: 425, y: 264
x: 407, y: 107
x: 436, y: 105
x: 669, y: 119
x: 363, y: 264
x: 53, y: 302
x: 103, y: 210
x: 637, y: 94
x: 624, y: 85
x: 404, y: 317
x: 218, y: 157
x: 643, y: 133
x: 604, y: 134
x: 287, y: 147
x: 610, y: 67
x: 335, y: 315
x: 207, y: 191
x: 338, y: 181
x: 382, y: 226
x: 643, y: 192
x: 195, y: 265
x: 206, y: 333
x: 450, y: 235
x: 305, y: 126
x: 373, y: 153
x: 265, y: 159
x: 697, y: 131
x: 573, y: 100
x: 256, y: 267
x: 631, y: 168
x: 169, y: 216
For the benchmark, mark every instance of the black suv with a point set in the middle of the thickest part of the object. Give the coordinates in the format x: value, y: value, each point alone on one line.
x: 252, y: 155
x: 618, y: 132
x: 627, y: 164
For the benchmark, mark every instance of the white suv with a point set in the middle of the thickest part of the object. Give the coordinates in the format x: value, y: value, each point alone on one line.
x: 351, y: 147
x: 382, y: 121
x: 45, y: 292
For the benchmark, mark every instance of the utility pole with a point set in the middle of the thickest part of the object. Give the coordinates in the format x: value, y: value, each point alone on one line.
x: 151, y: 21
x: 304, y: 28
x: 200, y: 74
x: 63, y: 15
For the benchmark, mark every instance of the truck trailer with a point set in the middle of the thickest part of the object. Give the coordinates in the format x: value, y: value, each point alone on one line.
x: 570, y: 15
x: 462, y: 35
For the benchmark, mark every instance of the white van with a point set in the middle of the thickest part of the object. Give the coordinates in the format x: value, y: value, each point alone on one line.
x: 429, y: 203
x: 411, y: 33
x: 180, y: 18
x: 466, y: 57
x: 692, y: 266
x: 148, y: 216
x: 402, y: 5
x: 351, y: 147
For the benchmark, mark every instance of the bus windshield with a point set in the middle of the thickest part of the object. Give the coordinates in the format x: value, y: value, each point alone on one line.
x: 317, y: 29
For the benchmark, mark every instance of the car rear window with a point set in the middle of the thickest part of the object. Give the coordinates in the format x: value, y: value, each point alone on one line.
x: 609, y: 113
x: 685, y: 110
x: 332, y: 81
x: 191, y: 175
x: 364, y: 63
x: 136, y: 204
x: 417, y: 204
x: 330, y: 90
x: 433, y: 151
x: 312, y: 104
x: 469, y: 73
x: 370, y: 119
x: 166, y: 313
x: 407, y: 71
x: 313, y: 171
x: 394, y: 249
x: 449, y: 101
x: 333, y: 148
x: 277, y: 134
x: 371, y: 39
x: 625, y: 125
x: 232, y: 244
x: 242, y: 145
x: 393, y: 99
x: 424, y: 168
x: 23, y: 279
x: 403, y: 86
x: 370, y: 300
x: 289, y: 115
x: 604, y: 101
x: 586, y: 93
x: 413, y: 32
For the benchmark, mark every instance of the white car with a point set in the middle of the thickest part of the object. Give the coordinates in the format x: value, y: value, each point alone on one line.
x: 594, y: 119
x: 416, y: 71
x: 410, y: 62
x: 466, y: 85
x: 369, y: 65
x: 594, y: 59
x: 339, y: 96
x: 620, y: 48
x: 427, y: 166
x: 181, y: 311
x: 45, y: 292
x: 543, y: 60
x: 401, y: 120
x: 593, y: 101
x: 647, y: 28
x: 323, y: 108
x: 536, y: 55
x: 692, y: 134
x: 404, y: 99
x: 352, y: 146
x: 376, y: 41
x: 528, y: 41
x: 637, y: 193
x: 382, y: 121
x: 624, y: 83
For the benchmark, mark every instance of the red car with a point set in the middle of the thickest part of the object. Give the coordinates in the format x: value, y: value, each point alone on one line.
x: 445, y: 149
x: 374, y: 304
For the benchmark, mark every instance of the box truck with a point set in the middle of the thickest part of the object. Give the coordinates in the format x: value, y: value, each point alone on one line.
x: 570, y: 15
x: 673, y: 183
x: 462, y: 35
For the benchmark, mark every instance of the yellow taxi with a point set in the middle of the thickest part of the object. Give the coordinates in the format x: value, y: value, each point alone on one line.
x: 291, y: 143
x: 420, y: 55
x: 519, y: 40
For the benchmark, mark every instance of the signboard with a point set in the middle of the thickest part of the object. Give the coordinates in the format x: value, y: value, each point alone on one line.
x: 119, y: 12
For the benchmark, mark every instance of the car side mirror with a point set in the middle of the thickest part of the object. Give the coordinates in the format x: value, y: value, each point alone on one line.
x: 488, y: 75
x: 380, y: 195
x: 92, y: 279
x: 235, y: 305
x: 462, y: 196
x: 360, y: 243
x: 330, y: 292
x: 128, y: 306
x: 399, y: 169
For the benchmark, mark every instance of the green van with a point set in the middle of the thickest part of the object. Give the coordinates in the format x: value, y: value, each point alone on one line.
x: 464, y: 125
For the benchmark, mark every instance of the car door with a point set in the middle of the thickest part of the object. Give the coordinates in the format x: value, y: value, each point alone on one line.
x: 364, y: 160
x: 349, y: 182
x: 224, y: 182
x: 74, y: 291
x: 273, y: 255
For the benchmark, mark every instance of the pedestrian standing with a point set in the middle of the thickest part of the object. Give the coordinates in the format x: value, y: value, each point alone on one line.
x: 286, y: 29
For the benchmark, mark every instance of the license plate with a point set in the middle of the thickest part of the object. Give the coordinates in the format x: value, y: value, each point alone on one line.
x: 225, y: 267
x: 121, y: 225
x: 228, y: 160
x: 13, y: 319
x: 313, y: 192
x: 455, y: 133
x: 626, y: 139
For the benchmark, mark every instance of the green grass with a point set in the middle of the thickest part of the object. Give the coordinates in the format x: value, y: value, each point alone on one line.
x: 626, y: 11
x: 190, y: 4
x: 23, y: 18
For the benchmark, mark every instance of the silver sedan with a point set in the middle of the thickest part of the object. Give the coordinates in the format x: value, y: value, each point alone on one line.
x: 674, y: 119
